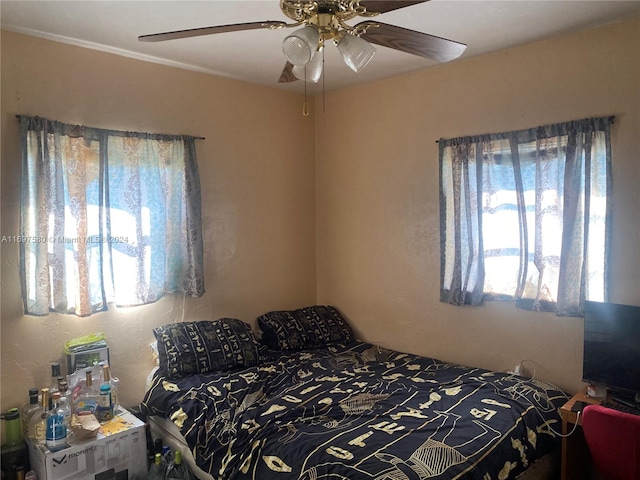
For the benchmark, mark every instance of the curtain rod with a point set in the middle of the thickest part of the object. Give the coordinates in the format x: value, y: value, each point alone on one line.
x: 197, y: 138
x: 612, y: 122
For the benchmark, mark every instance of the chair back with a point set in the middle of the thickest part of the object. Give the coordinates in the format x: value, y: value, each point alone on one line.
x: 613, y: 438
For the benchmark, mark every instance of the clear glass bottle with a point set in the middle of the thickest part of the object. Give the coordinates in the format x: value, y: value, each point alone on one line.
x: 104, y: 411
x: 159, y: 448
x: 63, y: 388
x: 56, y: 429
x: 53, y: 386
x: 28, y: 410
x: 113, y: 383
x: 156, y: 470
x: 88, y: 397
x: 65, y: 402
x: 177, y: 470
x: 38, y: 422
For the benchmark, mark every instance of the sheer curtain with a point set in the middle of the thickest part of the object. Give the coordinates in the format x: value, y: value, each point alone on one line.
x: 106, y: 216
x: 525, y: 215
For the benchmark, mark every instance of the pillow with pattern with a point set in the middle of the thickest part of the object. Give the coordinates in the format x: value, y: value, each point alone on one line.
x: 205, y: 346
x: 309, y: 327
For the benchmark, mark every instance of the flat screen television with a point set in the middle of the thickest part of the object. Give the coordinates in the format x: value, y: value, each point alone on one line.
x: 612, y: 346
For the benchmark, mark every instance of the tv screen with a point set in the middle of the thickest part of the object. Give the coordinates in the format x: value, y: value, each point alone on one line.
x: 612, y: 346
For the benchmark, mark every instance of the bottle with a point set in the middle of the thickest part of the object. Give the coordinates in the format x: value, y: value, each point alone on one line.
x: 87, y: 397
x: 38, y: 422
x: 178, y: 470
x: 28, y: 410
x: 156, y: 471
x: 158, y: 447
x: 12, y: 427
x: 167, y: 456
x: 115, y: 388
x: 56, y: 429
x: 65, y: 403
x: 53, y: 387
x: 20, y: 472
x: 113, y: 383
x: 104, y: 411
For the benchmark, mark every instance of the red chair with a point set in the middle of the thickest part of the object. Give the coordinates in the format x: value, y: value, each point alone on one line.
x: 613, y: 438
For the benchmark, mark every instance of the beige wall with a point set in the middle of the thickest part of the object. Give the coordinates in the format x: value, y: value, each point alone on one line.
x: 257, y: 174
x: 371, y: 160
x: 377, y: 217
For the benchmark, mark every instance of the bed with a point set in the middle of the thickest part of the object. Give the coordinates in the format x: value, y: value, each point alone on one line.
x: 310, y: 402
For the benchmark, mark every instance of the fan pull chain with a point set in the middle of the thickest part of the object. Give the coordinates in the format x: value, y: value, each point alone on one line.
x: 323, y: 80
x: 305, y: 107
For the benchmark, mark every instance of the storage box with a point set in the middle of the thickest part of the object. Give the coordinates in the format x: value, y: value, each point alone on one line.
x: 86, y: 358
x: 120, y: 453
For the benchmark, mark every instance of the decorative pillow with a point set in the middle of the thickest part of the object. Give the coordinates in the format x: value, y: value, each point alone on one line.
x: 205, y: 346
x: 309, y: 327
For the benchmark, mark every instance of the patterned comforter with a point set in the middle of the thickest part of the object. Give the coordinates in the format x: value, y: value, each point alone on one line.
x: 355, y: 412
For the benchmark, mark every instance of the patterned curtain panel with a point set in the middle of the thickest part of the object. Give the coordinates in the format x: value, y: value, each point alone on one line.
x: 106, y: 216
x: 525, y: 215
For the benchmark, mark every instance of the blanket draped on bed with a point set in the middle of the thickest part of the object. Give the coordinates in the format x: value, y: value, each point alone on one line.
x: 354, y: 412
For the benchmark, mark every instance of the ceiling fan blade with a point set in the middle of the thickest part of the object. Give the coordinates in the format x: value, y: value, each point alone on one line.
x: 195, y: 32
x: 383, y: 6
x: 287, y: 75
x: 411, y: 41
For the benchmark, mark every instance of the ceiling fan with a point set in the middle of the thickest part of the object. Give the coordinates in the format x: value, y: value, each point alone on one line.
x: 324, y: 20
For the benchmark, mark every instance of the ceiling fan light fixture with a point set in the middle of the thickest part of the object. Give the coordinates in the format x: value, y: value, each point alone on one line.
x: 299, y: 47
x: 313, y: 69
x: 327, y: 20
x: 355, y: 51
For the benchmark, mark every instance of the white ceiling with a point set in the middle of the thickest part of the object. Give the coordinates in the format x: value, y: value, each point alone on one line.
x: 256, y: 56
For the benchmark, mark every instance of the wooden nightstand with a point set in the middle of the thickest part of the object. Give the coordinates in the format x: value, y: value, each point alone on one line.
x: 575, y: 461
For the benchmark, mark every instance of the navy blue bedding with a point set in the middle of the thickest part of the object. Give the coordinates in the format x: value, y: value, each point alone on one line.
x: 353, y: 412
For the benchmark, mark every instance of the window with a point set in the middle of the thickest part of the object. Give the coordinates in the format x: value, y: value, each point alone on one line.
x: 106, y: 216
x: 525, y: 216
